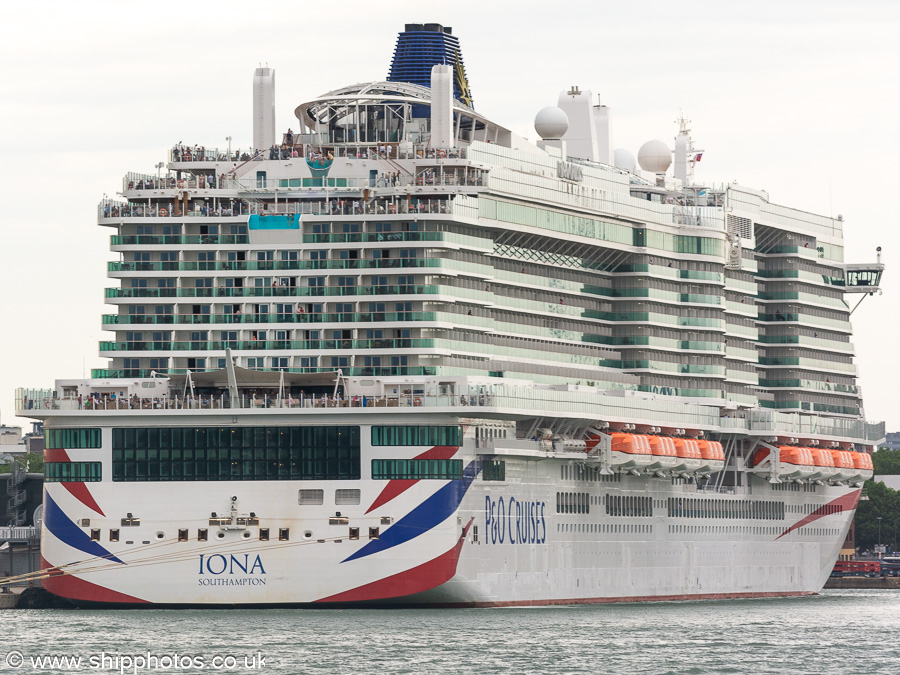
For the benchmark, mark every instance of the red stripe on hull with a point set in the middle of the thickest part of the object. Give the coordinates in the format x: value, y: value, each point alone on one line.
x: 395, y: 488
x: 56, y: 455
x: 638, y: 598
x: 81, y: 493
x: 68, y: 586
x: 79, y: 490
x: 847, y: 502
x: 418, y: 579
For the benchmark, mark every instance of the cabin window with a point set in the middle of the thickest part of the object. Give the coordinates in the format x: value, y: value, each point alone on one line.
x: 417, y: 469
x: 72, y: 438
x: 236, y: 453
x: 493, y: 470
x: 417, y: 435
x: 72, y: 472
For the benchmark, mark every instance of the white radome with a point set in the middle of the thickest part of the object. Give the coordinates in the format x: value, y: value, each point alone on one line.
x: 551, y: 123
x: 655, y: 156
x: 623, y: 159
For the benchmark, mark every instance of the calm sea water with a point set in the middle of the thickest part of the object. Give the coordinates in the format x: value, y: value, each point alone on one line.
x: 836, y: 632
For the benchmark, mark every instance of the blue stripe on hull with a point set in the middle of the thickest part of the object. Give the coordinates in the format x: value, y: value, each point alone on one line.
x: 434, y: 510
x: 62, y: 527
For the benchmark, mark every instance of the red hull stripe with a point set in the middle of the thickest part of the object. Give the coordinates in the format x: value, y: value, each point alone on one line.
x: 81, y: 493
x: 395, y: 488
x: 56, y: 455
x: 847, y: 503
x: 421, y: 578
x: 73, y: 588
x: 686, y: 597
x: 79, y: 490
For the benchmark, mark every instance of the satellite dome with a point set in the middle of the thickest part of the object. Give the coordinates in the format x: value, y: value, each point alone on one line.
x: 655, y: 156
x: 623, y: 159
x: 551, y: 123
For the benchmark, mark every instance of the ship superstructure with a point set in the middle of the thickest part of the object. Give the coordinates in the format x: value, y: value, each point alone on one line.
x: 402, y: 340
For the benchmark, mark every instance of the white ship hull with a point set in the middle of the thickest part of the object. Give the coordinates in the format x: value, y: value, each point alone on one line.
x: 466, y: 541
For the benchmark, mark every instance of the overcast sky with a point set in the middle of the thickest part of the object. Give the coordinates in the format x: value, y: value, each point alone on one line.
x: 798, y: 98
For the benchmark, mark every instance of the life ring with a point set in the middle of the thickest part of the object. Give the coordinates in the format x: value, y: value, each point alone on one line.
x: 163, y: 212
x: 181, y: 183
x: 186, y: 156
x: 46, y: 403
x: 417, y: 402
x: 442, y: 153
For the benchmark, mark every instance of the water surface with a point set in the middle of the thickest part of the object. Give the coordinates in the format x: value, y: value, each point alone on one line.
x: 839, y: 631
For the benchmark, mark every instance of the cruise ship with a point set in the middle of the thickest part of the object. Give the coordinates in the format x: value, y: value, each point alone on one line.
x: 396, y: 354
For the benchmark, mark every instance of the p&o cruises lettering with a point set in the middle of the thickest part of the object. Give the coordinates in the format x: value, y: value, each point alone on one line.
x: 219, y: 569
x: 515, y: 521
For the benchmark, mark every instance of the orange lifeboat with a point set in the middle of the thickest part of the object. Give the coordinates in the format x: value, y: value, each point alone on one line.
x: 665, y: 457
x: 844, y: 469
x: 796, y: 463
x: 630, y: 451
x: 824, y: 463
x: 713, y: 453
x: 760, y: 456
x: 689, y: 452
x: 862, y: 462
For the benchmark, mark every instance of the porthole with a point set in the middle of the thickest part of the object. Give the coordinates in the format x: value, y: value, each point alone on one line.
x: 308, y: 534
x: 246, y: 534
x: 160, y: 535
x: 220, y: 535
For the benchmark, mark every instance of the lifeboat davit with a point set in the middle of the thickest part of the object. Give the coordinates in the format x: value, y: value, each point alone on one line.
x: 713, y: 453
x: 844, y: 468
x: 689, y: 453
x: 665, y: 457
x: 862, y: 462
x: 824, y: 463
x: 630, y: 451
x: 794, y: 463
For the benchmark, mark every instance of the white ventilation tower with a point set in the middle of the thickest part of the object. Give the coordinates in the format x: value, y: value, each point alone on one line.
x: 441, y: 107
x: 603, y: 125
x: 263, y: 108
x: 581, y: 138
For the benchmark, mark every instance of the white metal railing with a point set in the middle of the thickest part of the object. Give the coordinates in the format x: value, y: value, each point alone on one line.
x: 18, y: 533
x: 539, y: 401
x: 536, y: 401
